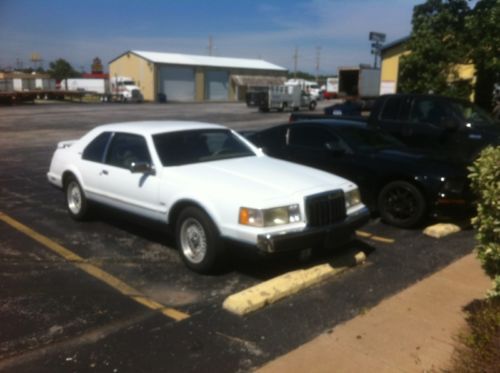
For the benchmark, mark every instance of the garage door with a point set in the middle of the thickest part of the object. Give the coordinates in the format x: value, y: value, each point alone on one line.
x: 177, y: 83
x: 216, y: 85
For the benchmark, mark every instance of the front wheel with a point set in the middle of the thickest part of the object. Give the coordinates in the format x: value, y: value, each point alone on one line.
x: 198, y: 241
x: 76, y: 202
x: 312, y: 105
x: 402, y: 204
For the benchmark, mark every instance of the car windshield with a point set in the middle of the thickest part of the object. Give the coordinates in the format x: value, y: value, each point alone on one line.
x: 195, y: 146
x: 472, y: 114
x: 366, y: 139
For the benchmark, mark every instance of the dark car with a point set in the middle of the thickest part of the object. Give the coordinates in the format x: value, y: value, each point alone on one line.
x: 404, y: 186
x: 347, y: 108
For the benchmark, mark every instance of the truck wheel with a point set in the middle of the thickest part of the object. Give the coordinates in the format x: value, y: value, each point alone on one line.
x: 76, y: 202
x: 312, y: 105
x: 198, y: 241
x: 402, y: 204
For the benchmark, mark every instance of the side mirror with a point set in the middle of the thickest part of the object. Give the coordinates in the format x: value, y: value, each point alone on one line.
x: 334, y: 147
x: 142, y: 168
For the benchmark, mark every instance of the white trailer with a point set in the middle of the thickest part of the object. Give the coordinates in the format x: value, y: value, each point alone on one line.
x: 118, y: 88
x: 361, y: 82
x: 100, y: 86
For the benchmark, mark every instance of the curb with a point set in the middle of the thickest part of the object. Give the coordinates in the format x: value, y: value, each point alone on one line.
x: 268, y: 292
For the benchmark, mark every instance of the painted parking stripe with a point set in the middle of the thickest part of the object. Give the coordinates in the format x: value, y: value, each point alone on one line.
x: 275, y: 289
x: 94, y: 271
x: 374, y: 237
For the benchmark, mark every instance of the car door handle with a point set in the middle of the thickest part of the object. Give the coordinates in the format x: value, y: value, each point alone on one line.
x: 103, y: 172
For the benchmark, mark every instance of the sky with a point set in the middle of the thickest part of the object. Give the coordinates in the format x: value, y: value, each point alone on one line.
x: 270, y: 30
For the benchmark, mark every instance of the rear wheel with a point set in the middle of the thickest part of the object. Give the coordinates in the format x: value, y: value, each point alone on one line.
x: 76, y: 202
x: 402, y: 204
x: 198, y: 240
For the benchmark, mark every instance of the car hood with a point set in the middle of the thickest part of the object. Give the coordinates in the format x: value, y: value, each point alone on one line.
x: 258, y: 178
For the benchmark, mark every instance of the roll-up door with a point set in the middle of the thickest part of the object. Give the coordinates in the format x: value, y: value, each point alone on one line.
x: 177, y: 83
x: 216, y: 85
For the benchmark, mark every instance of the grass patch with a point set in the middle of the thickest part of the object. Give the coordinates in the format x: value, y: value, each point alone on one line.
x: 479, y: 345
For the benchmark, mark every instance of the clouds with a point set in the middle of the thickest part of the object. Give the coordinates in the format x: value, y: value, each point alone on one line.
x: 271, y: 31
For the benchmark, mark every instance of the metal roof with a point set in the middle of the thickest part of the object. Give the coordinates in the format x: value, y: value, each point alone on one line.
x: 395, y: 43
x: 211, y: 61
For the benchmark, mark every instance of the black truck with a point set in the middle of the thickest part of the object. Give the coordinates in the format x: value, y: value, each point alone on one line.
x: 429, y: 122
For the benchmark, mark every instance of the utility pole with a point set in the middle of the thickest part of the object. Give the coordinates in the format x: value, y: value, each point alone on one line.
x: 210, y: 45
x: 318, y: 56
x: 295, y: 62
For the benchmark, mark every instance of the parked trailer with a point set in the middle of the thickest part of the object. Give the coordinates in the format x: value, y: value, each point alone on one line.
x: 360, y: 82
x: 13, y: 97
x: 118, y: 88
x: 281, y: 98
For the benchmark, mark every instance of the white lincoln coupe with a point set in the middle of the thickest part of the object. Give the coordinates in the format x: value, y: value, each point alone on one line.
x: 209, y: 184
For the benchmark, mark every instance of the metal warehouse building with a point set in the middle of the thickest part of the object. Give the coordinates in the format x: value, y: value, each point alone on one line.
x: 183, y: 77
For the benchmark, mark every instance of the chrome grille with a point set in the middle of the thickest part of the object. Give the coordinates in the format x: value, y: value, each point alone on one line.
x: 325, y: 208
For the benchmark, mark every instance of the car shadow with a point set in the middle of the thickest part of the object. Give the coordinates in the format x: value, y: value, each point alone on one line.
x: 240, y: 259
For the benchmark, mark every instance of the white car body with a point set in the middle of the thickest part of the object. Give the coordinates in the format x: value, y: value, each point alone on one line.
x: 220, y: 187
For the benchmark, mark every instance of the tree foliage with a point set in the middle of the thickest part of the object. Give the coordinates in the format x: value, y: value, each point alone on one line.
x: 448, y: 33
x: 61, y: 69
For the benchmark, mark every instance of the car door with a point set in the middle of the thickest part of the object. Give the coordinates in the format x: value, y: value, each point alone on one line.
x: 136, y: 192
x: 319, y: 147
x: 428, y: 124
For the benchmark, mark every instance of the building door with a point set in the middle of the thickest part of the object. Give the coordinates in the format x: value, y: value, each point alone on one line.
x: 217, y: 85
x: 177, y: 83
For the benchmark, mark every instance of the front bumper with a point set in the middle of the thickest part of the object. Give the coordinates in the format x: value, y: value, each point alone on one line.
x: 313, y: 237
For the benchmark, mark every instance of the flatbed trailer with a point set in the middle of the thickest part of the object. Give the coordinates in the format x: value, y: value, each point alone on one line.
x: 11, y: 98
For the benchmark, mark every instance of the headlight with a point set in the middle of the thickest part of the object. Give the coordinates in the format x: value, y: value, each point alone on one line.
x: 352, y: 198
x: 269, y: 217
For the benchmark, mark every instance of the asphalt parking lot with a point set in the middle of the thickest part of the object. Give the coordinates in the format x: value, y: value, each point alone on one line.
x: 111, y: 294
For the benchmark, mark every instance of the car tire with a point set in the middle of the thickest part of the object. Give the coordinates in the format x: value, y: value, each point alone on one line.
x: 402, y: 204
x: 198, y: 241
x: 76, y: 202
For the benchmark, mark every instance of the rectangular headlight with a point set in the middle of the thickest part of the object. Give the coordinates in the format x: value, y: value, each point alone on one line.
x: 269, y: 217
x: 352, y: 198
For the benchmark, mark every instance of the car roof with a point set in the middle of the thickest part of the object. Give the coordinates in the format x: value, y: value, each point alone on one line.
x: 155, y: 127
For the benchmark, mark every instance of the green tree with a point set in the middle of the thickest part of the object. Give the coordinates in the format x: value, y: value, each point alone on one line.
x: 61, y: 69
x: 483, y: 31
x: 437, y: 44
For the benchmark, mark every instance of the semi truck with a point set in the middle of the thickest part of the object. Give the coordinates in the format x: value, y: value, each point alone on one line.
x: 117, y: 88
x: 360, y: 82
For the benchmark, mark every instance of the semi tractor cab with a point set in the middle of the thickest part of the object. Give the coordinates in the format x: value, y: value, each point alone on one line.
x: 125, y: 89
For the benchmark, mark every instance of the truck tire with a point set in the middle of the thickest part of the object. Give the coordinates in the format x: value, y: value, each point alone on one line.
x: 312, y: 105
x: 198, y: 241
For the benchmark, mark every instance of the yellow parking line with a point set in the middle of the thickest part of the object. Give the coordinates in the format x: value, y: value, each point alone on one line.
x: 94, y: 271
x: 374, y: 238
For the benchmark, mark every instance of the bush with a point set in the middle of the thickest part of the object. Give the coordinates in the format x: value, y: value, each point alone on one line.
x: 478, y: 349
x: 485, y: 181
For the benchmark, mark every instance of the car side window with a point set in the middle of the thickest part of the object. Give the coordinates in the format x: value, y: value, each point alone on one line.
x: 273, y: 138
x: 126, y: 148
x: 310, y: 137
x: 391, y: 109
x: 429, y: 111
x: 94, y: 151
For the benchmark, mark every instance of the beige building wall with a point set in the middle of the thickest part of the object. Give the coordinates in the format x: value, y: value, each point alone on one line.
x: 139, y: 69
x: 389, y: 70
